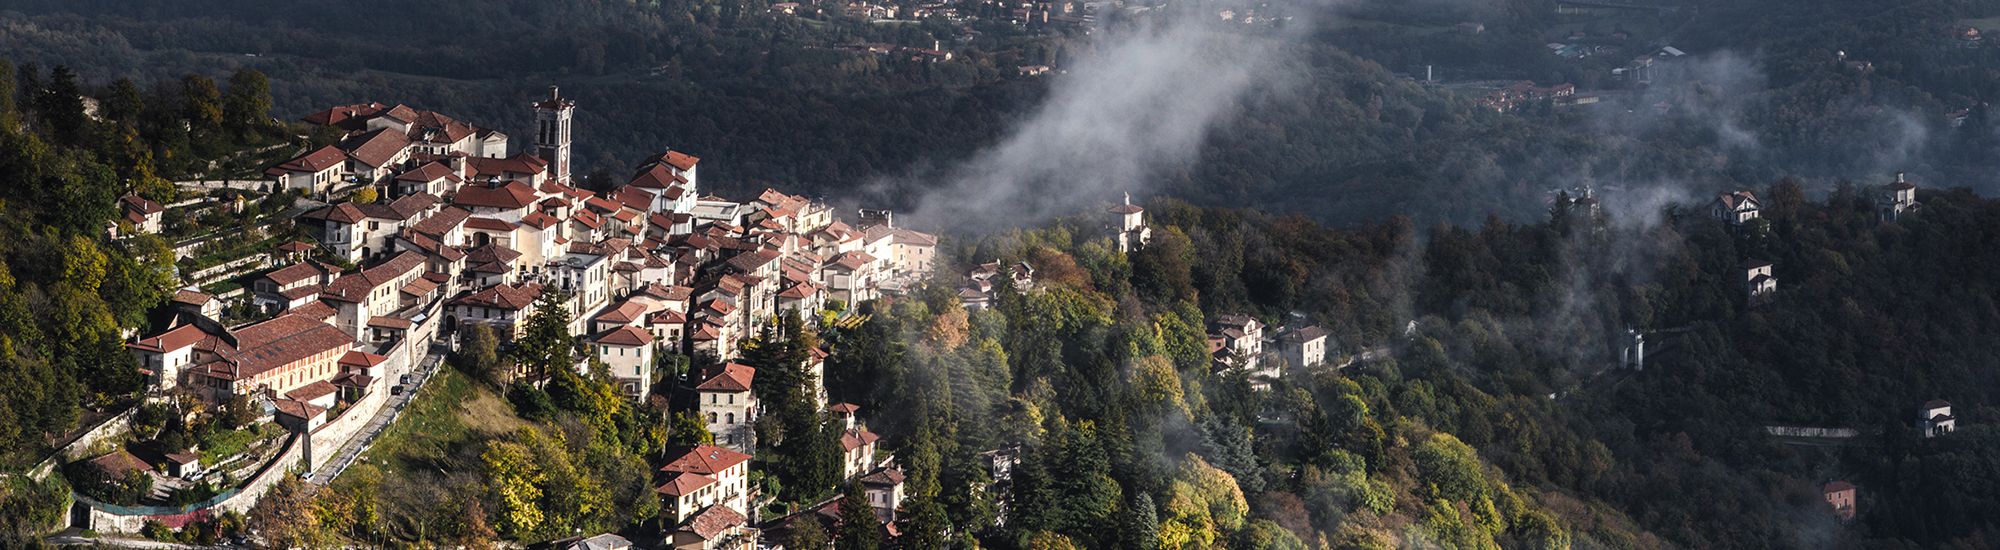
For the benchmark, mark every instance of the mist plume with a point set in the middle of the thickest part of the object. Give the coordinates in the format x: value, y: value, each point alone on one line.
x: 1143, y: 99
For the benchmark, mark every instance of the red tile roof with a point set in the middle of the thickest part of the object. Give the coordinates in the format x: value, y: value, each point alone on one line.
x: 855, y: 439
x: 355, y: 287
x: 521, y: 163
x: 509, y: 297
x: 180, y: 337
x: 299, y: 272
x: 316, y: 310
x: 684, y: 483
x: 667, y: 317
x: 624, y: 336
x: 361, y: 359
x: 274, y: 343
x: 510, y: 195
x: 602, y: 205
x: 625, y: 313
x: 298, y: 409
x: 703, y: 459
x: 884, y: 477
x: 905, y: 236
x: 429, y: 172
x: 712, y: 522
x: 375, y: 148
x: 726, y: 377
x: 420, y: 287
x: 851, y: 261
x: 192, y: 298
x: 442, y: 222
x: 315, y: 161
x: 489, y: 224
x: 390, y: 322
x: 342, y: 113
x: 673, y: 159
x: 539, y: 220
x: 632, y: 197
x: 588, y: 219
x: 315, y: 390
x: 141, y: 204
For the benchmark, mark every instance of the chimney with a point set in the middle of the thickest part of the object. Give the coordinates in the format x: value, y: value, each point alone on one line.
x: 1899, y: 177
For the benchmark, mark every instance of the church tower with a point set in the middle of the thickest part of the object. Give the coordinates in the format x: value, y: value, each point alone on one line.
x: 552, y: 119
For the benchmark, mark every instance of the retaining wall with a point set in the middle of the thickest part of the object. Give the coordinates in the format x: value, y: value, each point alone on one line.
x: 129, y: 519
x: 79, y: 447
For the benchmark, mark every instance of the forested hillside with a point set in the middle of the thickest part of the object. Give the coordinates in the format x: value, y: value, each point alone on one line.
x: 1512, y: 364
x: 67, y: 290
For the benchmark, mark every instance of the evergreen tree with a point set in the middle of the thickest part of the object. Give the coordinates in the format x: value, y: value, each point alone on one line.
x: 859, y: 529
x: 27, y: 87
x: 546, y: 343
x: 1227, y: 446
x: 1143, y: 524
x: 61, y: 108
x: 123, y: 102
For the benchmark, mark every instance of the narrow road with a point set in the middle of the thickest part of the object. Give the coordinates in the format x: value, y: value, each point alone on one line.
x: 390, y: 410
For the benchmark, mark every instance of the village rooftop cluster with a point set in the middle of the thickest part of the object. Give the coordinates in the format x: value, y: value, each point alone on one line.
x: 466, y: 233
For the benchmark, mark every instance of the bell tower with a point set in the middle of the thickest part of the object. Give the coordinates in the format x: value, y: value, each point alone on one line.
x: 552, y: 120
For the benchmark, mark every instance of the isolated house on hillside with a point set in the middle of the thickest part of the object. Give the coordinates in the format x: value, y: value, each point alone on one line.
x: 1243, y: 336
x: 1131, y: 231
x: 1758, y: 283
x: 144, y: 215
x: 1304, y: 347
x: 1895, y: 198
x: 1840, y: 494
x: 1935, y: 419
x: 1735, y: 208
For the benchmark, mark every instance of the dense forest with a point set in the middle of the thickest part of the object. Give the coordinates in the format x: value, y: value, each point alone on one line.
x: 68, y: 292
x: 1510, y: 366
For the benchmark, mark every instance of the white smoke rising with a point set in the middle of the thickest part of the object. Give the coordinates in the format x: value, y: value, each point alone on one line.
x: 1143, y: 100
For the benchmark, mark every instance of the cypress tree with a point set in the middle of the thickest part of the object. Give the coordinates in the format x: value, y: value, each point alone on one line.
x: 858, y: 528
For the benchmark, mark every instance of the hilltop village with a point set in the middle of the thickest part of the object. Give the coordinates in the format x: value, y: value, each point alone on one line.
x: 447, y: 230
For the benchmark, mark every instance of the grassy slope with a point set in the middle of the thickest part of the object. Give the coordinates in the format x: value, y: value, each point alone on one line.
x: 450, y: 411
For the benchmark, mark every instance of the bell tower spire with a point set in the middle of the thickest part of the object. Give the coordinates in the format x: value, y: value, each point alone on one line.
x: 552, y: 137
